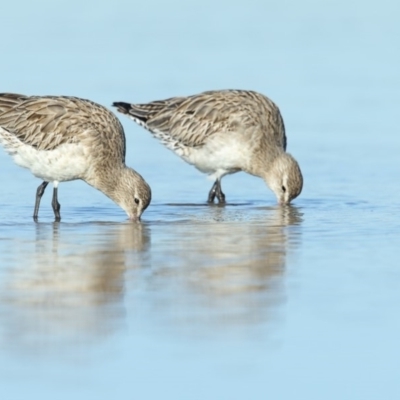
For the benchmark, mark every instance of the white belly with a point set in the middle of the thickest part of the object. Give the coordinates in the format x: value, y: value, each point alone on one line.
x: 66, y: 163
x: 220, y: 156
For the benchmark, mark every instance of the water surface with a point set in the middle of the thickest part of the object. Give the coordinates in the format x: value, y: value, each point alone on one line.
x: 250, y: 300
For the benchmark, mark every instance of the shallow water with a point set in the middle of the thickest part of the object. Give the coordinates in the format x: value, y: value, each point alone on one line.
x: 249, y: 300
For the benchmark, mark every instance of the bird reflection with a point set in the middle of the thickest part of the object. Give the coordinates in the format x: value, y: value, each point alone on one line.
x: 211, y: 270
x: 225, y: 270
x: 68, y: 284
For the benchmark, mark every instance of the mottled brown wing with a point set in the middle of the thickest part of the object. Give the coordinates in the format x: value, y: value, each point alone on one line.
x: 193, y: 119
x: 46, y: 122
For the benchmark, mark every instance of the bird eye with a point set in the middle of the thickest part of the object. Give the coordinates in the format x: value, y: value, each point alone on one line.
x: 137, y: 201
x: 283, y: 189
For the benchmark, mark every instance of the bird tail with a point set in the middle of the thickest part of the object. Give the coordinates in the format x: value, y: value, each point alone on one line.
x: 148, y: 111
x: 141, y: 112
x: 136, y: 112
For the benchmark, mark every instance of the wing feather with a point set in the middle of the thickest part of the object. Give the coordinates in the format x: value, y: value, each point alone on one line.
x: 47, y: 122
x: 190, y: 121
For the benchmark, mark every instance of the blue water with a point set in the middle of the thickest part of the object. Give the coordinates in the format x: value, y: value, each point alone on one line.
x: 247, y: 301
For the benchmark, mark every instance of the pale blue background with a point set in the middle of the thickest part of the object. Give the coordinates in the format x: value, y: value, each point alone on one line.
x: 242, y: 302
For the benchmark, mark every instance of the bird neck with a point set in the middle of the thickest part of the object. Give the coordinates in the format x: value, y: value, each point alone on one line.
x: 108, y: 181
x: 263, y: 163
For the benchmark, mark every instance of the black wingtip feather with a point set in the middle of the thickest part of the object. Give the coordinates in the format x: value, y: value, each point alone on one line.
x: 122, y: 107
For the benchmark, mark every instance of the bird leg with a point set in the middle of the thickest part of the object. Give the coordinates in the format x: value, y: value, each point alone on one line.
x: 212, y: 193
x: 216, y: 191
x: 39, y: 194
x: 220, y: 194
x: 56, y: 205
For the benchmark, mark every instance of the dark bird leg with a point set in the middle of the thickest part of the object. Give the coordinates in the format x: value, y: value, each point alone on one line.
x: 56, y: 205
x: 219, y: 193
x: 213, y: 192
x: 216, y: 191
x: 39, y: 194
